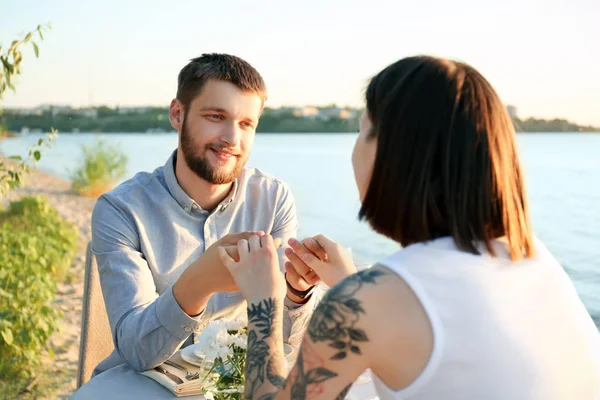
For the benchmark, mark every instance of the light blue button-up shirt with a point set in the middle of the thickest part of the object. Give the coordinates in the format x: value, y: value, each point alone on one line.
x: 147, y: 231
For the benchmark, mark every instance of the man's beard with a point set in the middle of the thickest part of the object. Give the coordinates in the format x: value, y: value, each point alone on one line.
x: 200, y: 163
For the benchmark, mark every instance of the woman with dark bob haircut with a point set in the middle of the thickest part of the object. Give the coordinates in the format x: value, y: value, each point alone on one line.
x: 472, y: 307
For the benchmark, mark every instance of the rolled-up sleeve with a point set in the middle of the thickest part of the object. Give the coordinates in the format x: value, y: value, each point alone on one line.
x: 147, y: 328
x: 296, y: 316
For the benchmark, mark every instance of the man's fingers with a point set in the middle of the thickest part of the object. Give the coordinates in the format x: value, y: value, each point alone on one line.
x: 234, y: 238
x: 312, y: 245
x: 233, y: 252
x: 312, y: 278
x: 294, y: 278
x: 301, y: 268
x: 226, y: 258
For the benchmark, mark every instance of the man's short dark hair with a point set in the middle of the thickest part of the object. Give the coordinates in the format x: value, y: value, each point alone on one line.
x: 222, y: 67
x: 446, y: 160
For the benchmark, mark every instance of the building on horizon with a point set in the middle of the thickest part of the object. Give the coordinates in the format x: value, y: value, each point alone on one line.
x: 307, y: 112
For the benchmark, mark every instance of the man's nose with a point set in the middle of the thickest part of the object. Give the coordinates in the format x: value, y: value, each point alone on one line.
x: 231, y: 135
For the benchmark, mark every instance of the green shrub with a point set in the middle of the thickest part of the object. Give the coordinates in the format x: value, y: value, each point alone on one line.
x: 100, y: 168
x: 36, y: 249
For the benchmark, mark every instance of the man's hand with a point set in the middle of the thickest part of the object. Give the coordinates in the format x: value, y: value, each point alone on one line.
x: 298, y: 274
x: 212, y: 266
x: 319, y: 258
x: 233, y: 252
x: 256, y: 270
x: 206, y: 276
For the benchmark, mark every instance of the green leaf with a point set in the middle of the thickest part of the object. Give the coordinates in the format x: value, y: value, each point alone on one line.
x: 36, y: 50
x: 18, y: 158
x: 7, y: 66
x: 354, y: 305
x: 13, y: 46
x: 5, y: 324
x: 358, y: 335
x: 319, y: 375
x: 18, y: 57
x: 28, y: 37
x: 37, y: 155
x: 338, y: 344
x: 40, y: 142
x: 7, y: 335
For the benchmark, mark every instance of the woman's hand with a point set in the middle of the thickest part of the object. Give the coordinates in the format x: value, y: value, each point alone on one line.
x: 257, y: 273
x: 331, y: 266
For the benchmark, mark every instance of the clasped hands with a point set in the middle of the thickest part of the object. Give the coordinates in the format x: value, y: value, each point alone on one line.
x: 253, y: 264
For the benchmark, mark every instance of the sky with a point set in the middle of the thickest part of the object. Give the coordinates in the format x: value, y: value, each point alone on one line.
x: 543, y: 56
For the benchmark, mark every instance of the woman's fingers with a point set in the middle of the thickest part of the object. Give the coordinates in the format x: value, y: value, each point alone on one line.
x: 254, y: 243
x: 267, y: 241
x: 307, y: 256
x: 329, y: 245
x: 243, y: 248
x: 312, y: 245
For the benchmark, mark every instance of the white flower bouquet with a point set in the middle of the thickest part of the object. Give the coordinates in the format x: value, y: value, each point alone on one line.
x: 222, y: 347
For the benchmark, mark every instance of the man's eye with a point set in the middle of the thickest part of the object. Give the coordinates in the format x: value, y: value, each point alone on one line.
x: 215, y: 116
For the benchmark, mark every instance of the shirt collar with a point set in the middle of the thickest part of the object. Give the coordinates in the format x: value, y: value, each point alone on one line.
x: 185, y: 201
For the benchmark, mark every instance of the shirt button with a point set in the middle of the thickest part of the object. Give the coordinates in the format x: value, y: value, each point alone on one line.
x: 286, y: 308
x: 187, y: 329
x: 187, y: 209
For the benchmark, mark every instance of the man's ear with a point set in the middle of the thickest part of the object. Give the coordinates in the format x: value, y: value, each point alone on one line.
x: 176, y: 114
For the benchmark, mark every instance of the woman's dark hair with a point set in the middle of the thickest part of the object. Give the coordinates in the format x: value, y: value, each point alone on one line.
x: 446, y: 161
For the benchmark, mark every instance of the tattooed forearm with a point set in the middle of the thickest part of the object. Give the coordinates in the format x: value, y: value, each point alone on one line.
x: 335, y: 318
x: 264, y: 358
x: 262, y: 315
x: 333, y: 322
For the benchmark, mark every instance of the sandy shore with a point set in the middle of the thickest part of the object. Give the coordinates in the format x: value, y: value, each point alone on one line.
x: 68, y: 300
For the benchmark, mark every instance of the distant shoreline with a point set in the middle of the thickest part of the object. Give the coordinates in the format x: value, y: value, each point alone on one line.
x: 308, y: 120
x: 13, y: 135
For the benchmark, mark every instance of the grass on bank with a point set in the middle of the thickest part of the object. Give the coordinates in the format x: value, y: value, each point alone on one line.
x: 100, y: 168
x: 36, y: 250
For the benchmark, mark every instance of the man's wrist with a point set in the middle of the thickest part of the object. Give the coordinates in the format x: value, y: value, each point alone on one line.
x: 299, y: 296
x: 192, y: 292
x: 297, y: 299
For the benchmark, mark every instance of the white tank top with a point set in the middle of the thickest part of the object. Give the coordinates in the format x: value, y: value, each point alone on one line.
x: 502, y: 330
